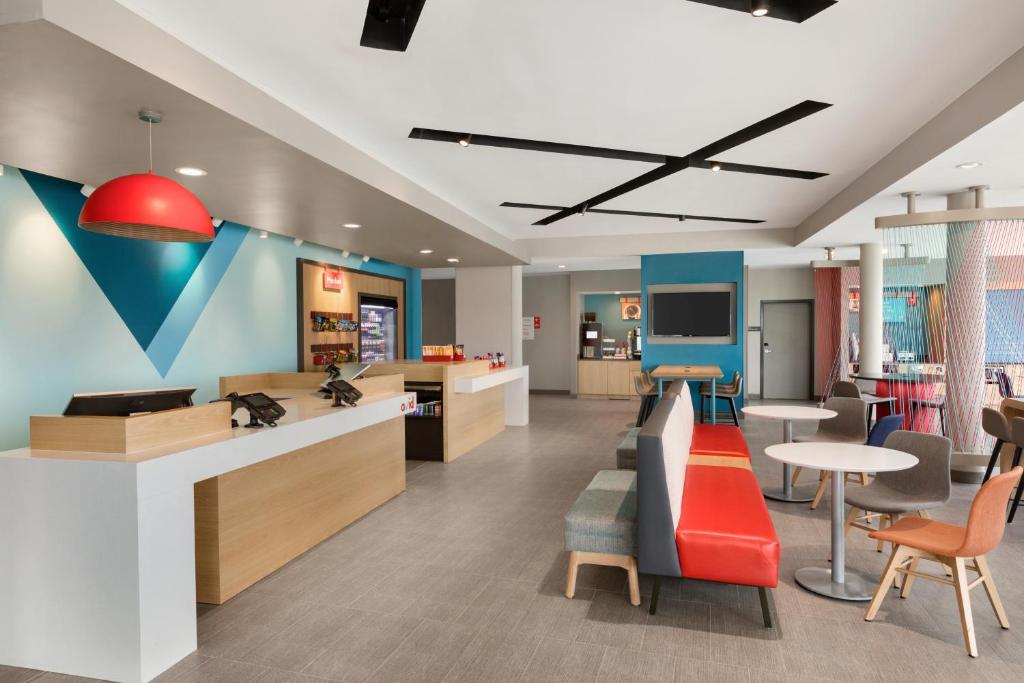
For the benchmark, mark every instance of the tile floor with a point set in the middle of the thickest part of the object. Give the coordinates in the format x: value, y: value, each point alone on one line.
x: 462, y: 578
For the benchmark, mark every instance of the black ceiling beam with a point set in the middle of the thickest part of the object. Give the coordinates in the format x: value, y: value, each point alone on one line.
x: 389, y: 24
x: 644, y: 214
x: 674, y: 165
x: 797, y: 11
x: 728, y: 167
x: 534, y: 145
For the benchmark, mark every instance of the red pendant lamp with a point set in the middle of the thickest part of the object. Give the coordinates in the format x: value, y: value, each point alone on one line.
x: 145, y: 206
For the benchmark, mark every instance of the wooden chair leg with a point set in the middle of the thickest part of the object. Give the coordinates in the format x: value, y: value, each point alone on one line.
x: 899, y: 554
x: 822, y: 485
x: 796, y: 474
x: 864, y: 479
x: 634, y: 582
x: 963, y: 599
x: 570, y: 579
x: 882, y: 519
x: 990, y: 590
x: 908, y: 579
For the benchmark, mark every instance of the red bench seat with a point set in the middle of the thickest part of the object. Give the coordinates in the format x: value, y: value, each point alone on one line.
x: 718, y: 440
x: 725, y: 533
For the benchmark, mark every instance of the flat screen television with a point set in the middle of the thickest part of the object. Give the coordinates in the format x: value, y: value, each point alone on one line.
x: 690, y: 314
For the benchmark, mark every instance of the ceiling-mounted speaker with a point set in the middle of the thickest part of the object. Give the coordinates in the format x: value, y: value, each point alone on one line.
x: 389, y: 23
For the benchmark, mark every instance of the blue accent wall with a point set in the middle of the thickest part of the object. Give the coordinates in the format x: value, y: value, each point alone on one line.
x: 695, y: 268
x: 86, y: 312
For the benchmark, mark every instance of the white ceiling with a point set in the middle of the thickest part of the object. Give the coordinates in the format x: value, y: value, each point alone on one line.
x: 662, y: 76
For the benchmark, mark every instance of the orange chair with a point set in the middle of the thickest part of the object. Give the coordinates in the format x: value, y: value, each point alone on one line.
x: 915, y: 539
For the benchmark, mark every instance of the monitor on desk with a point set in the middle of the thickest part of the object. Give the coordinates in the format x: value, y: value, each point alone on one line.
x: 126, y: 403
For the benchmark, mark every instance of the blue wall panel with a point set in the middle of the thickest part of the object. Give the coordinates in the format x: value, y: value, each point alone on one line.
x: 696, y: 268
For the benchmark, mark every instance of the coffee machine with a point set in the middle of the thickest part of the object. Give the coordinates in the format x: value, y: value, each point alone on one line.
x: 634, y: 343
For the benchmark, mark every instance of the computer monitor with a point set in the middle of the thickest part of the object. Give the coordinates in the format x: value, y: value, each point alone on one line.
x: 125, y: 403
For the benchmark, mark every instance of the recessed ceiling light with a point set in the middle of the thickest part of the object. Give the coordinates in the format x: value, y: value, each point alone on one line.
x: 345, y: 253
x: 263, y: 234
x: 453, y: 260
x: 561, y: 265
x: 366, y: 259
x: 353, y: 226
x: 967, y: 165
x: 190, y: 170
x: 426, y: 251
x: 618, y: 292
x: 715, y: 168
x: 297, y: 241
x: 759, y: 8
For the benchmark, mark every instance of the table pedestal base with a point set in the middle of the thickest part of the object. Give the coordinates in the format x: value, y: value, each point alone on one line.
x: 818, y: 580
x: 794, y: 494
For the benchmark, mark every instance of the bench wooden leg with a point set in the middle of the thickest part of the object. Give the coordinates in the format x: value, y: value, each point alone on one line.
x: 634, y: 582
x: 767, y: 607
x: 570, y: 579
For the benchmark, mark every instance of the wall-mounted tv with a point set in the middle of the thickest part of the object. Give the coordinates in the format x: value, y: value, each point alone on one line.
x: 692, y: 314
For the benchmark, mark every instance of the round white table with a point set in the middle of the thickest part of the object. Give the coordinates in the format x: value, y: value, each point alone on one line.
x: 839, y: 458
x: 789, y: 414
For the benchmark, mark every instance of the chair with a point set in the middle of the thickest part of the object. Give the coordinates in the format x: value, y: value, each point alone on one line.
x: 848, y: 426
x: 1017, y: 434
x: 853, y: 390
x: 727, y: 392
x: 935, y: 403
x: 951, y: 546
x: 995, y: 424
x: 915, y: 491
x: 879, y: 433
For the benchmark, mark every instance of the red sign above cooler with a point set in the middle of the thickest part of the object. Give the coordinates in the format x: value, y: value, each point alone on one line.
x: 332, y: 279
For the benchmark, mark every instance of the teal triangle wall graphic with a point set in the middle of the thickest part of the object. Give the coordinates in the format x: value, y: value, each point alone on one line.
x: 143, y: 280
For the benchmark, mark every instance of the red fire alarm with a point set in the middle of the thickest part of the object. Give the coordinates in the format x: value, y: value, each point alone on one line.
x: 332, y: 279
x: 536, y: 322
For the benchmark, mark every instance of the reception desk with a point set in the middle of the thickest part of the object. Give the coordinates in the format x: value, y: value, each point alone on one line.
x: 102, y: 547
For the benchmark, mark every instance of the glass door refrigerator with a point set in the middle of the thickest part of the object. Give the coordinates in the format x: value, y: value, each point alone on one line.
x: 378, y: 328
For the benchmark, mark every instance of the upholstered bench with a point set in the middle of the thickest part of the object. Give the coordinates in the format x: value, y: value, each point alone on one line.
x: 625, y: 454
x: 600, y: 528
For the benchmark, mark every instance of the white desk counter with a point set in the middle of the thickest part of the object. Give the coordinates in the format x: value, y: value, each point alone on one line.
x: 517, y: 391
x: 98, y: 570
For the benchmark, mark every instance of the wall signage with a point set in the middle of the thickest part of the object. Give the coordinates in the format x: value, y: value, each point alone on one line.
x: 332, y: 279
x: 528, y: 328
x: 536, y: 322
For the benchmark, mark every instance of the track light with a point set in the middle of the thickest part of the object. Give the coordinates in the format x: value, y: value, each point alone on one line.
x: 263, y: 234
x: 759, y: 8
x: 366, y: 259
x: 345, y: 253
x: 297, y: 241
x: 464, y: 140
x: 682, y: 218
x: 715, y: 168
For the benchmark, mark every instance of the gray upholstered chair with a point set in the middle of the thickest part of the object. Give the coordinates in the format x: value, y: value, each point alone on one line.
x: 845, y: 389
x: 848, y: 426
x: 923, y: 487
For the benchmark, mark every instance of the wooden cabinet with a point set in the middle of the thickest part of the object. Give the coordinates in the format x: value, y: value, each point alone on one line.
x: 606, y: 378
x: 592, y: 378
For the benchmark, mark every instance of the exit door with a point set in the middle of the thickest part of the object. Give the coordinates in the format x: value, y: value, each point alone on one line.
x: 787, y: 350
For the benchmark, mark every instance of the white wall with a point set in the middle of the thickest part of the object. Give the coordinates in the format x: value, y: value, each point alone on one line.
x: 489, y: 311
x: 550, y: 363
x: 770, y: 284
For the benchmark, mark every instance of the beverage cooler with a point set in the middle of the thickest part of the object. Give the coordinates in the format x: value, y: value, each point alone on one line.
x: 378, y: 328
x: 424, y: 428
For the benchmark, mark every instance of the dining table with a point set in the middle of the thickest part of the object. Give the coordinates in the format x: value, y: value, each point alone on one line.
x: 839, y: 458
x: 709, y: 373
x: 788, y: 414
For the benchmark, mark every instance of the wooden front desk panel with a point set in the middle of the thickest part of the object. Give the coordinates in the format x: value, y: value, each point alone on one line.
x: 468, y: 419
x: 253, y: 521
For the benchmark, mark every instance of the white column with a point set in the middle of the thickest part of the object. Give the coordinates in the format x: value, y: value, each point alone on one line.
x: 489, y: 311
x: 871, y: 307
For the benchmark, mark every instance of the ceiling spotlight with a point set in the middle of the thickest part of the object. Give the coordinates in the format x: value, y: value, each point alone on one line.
x: 353, y: 226
x: 715, y: 168
x: 759, y: 8
x: 87, y: 190
x: 453, y: 260
x: 190, y: 171
x: 426, y: 251
x: 618, y: 292
x: 682, y: 218
x: 464, y: 140
x: 366, y: 259
x: 297, y: 241
x: 561, y: 265
x: 967, y: 165
x: 345, y: 253
x: 263, y: 234
x: 217, y: 222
